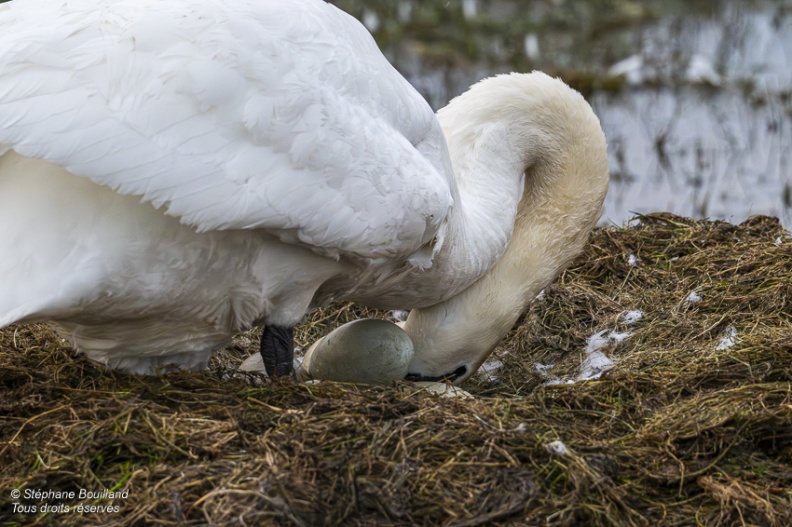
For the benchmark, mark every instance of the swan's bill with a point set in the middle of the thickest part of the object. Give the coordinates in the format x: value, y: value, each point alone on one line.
x: 446, y: 377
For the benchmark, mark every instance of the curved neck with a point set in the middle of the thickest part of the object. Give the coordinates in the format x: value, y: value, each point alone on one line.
x: 487, y: 195
x: 502, y: 128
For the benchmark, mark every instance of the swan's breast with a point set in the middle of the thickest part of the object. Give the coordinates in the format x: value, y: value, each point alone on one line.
x: 85, y: 253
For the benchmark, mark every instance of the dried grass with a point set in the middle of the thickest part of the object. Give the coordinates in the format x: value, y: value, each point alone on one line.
x: 685, y: 429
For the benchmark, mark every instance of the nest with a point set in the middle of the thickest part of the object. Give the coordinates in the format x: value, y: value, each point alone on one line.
x: 685, y: 416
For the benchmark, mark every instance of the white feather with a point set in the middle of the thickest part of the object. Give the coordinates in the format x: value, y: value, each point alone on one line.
x: 172, y: 173
x: 236, y: 116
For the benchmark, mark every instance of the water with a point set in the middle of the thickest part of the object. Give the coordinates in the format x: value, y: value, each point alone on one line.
x: 695, y: 97
x: 713, y: 142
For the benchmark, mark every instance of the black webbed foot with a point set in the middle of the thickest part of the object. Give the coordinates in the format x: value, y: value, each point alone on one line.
x: 277, y: 351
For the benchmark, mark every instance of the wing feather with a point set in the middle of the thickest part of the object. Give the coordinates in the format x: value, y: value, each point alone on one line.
x: 229, y: 114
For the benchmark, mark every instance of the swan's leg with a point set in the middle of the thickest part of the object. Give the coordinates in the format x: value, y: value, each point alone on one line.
x: 277, y: 351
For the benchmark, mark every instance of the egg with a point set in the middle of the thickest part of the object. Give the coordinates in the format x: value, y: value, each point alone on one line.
x: 367, y: 351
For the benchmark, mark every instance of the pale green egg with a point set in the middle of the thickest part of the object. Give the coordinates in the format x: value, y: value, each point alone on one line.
x: 367, y: 351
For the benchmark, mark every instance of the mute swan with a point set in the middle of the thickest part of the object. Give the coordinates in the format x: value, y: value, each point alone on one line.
x: 173, y: 173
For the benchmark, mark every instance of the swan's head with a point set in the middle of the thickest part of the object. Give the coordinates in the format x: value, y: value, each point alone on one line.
x: 450, y: 348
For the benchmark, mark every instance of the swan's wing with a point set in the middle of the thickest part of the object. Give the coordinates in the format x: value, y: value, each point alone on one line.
x: 229, y: 114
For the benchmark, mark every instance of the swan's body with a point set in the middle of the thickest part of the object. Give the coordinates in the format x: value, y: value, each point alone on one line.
x: 173, y: 173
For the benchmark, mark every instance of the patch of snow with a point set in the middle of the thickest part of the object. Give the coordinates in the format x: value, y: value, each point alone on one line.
x: 531, y: 46
x: 778, y: 241
x: 631, y: 68
x: 595, y: 363
x: 371, y: 20
x: 558, y: 448
x: 600, y: 340
x: 597, y: 341
x: 489, y: 368
x: 404, y: 11
x: 693, y: 298
x: 631, y: 317
x: 444, y: 389
x: 700, y: 70
x: 469, y: 8
x: 594, y: 366
x: 545, y: 370
x: 552, y: 381
x: 632, y: 260
x: 617, y: 337
x: 728, y: 340
x: 522, y: 427
x: 491, y: 365
x: 400, y: 315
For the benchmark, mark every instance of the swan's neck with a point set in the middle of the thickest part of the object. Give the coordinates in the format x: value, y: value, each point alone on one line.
x: 501, y: 129
x: 489, y: 186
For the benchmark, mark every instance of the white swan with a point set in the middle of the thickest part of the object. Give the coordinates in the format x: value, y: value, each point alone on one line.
x: 173, y: 173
